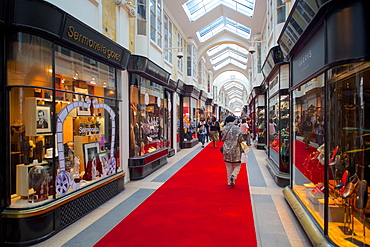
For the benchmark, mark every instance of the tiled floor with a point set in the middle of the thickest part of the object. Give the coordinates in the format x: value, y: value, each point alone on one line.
x: 276, y: 224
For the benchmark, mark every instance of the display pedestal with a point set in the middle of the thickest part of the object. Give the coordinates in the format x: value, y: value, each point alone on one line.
x: 280, y: 178
x: 22, y: 188
x: 146, y: 164
x: 190, y: 144
x: 313, y: 198
x: 335, y: 212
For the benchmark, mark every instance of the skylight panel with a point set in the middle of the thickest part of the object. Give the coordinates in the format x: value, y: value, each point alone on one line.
x: 195, y: 9
x: 229, y: 53
x: 235, y: 93
x: 228, y: 61
x: 244, y: 7
x: 223, y: 23
x: 221, y: 47
x: 233, y: 84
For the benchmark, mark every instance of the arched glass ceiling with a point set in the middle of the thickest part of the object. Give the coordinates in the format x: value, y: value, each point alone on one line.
x: 221, y: 24
x: 195, y: 9
x: 221, y: 47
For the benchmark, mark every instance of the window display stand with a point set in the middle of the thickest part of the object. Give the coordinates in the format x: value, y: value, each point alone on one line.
x: 146, y: 164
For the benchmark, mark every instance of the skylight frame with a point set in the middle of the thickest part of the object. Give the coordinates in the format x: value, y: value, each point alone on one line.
x: 221, y: 47
x: 228, y: 61
x: 229, y: 53
x: 221, y: 24
x: 195, y: 9
x: 233, y: 84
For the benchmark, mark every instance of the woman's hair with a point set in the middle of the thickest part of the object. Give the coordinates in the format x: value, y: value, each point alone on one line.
x: 214, y: 118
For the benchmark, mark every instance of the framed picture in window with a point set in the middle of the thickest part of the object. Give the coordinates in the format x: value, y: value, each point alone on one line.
x: 91, y: 151
x: 82, y: 111
x: 43, y: 124
x: 104, y: 161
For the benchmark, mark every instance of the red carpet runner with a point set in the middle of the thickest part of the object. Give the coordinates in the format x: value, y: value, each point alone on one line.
x: 195, y: 207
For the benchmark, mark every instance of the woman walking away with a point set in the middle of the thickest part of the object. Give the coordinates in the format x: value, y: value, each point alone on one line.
x: 232, y: 136
x: 214, y: 130
x: 202, y: 130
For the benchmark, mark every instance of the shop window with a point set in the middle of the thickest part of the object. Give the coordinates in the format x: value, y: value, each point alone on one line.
x: 63, y: 138
x: 146, y: 116
x: 168, y: 116
x: 308, y: 157
x: 348, y: 144
x: 45, y: 165
x: 30, y: 61
x: 76, y: 72
x: 342, y: 130
x: 278, y: 129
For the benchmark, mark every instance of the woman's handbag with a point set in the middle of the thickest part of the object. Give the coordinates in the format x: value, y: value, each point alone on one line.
x: 244, y: 147
x: 244, y: 158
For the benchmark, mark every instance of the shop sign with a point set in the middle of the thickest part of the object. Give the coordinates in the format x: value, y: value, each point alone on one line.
x: 274, y: 57
x: 95, y: 42
x: 144, y: 65
x: 157, y: 72
x: 309, y: 59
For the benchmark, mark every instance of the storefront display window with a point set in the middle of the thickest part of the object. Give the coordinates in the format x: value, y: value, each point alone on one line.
x: 278, y: 129
x: 178, y: 121
x: 63, y: 130
x: 308, y: 157
x: 188, y: 120
x: 261, y: 125
x: 347, y: 124
x: 168, y: 117
x: 349, y: 148
x: 146, y: 116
